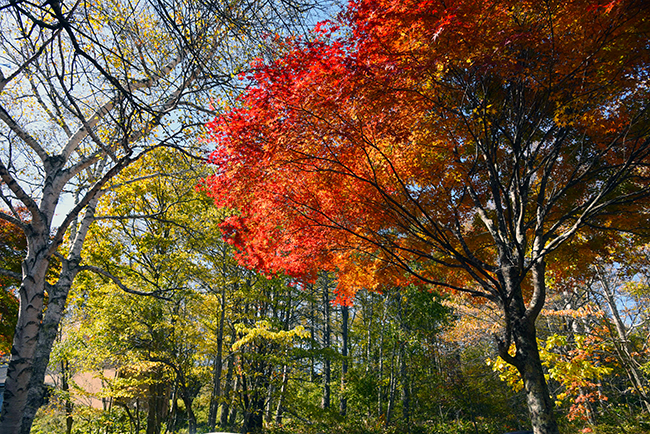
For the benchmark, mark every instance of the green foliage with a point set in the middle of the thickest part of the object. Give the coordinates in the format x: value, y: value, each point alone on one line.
x: 262, y: 332
x: 50, y: 419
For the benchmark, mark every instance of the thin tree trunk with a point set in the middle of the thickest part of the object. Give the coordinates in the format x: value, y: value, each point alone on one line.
x: 215, y: 395
x: 269, y: 402
x: 380, y: 404
x: 391, y: 387
x: 623, y: 345
x: 406, y: 399
x: 218, y: 365
x: 232, y: 418
x: 65, y: 376
x: 312, y: 332
x: 191, y: 417
x: 345, y: 313
x: 283, y: 389
x: 369, y: 334
x: 223, y: 420
x: 253, y: 406
x: 137, y: 415
x: 127, y: 410
x: 172, y: 418
x: 327, y: 336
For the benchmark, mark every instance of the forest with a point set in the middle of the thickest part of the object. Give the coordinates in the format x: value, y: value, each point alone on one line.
x: 309, y: 217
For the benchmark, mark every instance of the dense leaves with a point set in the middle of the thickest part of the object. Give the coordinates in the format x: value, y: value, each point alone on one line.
x: 457, y: 144
x: 451, y: 135
x: 12, y: 250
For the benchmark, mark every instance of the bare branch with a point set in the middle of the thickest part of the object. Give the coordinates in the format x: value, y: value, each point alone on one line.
x: 24, y: 135
x: 26, y: 199
x: 5, y: 80
x: 11, y: 219
x: 118, y: 282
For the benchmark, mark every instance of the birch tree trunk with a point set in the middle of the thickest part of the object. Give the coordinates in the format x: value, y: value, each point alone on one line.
x: 285, y: 381
x: 622, y: 343
x: 404, y: 379
x: 382, y: 330
x: 392, y: 386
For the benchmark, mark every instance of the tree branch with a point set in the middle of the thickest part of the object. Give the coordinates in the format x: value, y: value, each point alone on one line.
x: 24, y: 135
x: 118, y: 282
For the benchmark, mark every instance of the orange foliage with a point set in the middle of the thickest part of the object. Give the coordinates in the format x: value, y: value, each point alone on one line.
x: 436, y: 139
x: 13, y: 246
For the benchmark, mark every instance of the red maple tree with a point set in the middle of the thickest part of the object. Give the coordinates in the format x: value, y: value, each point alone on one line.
x: 458, y: 144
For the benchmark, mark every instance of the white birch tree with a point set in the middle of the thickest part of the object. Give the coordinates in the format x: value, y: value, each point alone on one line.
x: 87, y: 88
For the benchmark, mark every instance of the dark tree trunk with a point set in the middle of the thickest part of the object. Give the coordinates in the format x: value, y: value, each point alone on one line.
x: 540, y: 406
x: 520, y: 329
x: 158, y: 397
x: 345, y: 313
x: 191, y: 417
x: 232, y: 418
x: 327, y: 336
x: 137, y: 415
x: 225, y: 407
x: 217, y: 366
x: 65, y: 386
x: 253, y: 407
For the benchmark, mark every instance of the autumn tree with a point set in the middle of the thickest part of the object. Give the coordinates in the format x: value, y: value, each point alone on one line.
x: 616, y: 288
x: 12, y: 250
x: 166, y: 301
x: 453, y: 144
x: 86, y: 89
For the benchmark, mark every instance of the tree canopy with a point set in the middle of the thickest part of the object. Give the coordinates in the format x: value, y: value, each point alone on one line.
x: 458, y: 136
x: 86, y: 89
x: 456, y: 144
